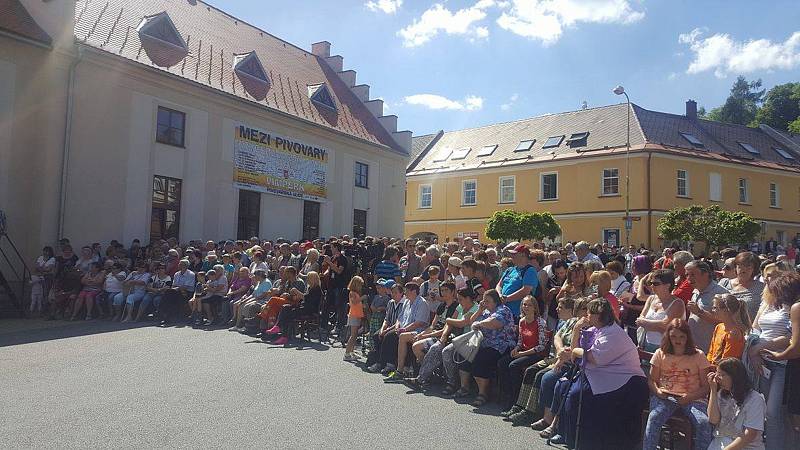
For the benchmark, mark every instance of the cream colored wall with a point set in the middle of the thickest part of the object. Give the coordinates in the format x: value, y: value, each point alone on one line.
x: 115, y: 156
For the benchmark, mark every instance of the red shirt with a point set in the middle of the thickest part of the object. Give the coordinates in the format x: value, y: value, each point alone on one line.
x: 683, y: 290
x: 614, y: 303
x: 532, y: 335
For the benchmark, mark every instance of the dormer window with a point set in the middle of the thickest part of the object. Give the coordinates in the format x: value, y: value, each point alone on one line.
x: 693, y: 140
x: 578, y: 139
x: 320, y: 95
x: 461, y: 153
x: 160, y: 28
x: 248, y: 65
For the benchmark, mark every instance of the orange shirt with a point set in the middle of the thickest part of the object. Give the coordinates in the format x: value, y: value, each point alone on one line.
x: 356, y: 307
x: 725, y: 343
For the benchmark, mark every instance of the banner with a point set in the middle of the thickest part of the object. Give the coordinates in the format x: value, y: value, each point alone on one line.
x: 266, y: 162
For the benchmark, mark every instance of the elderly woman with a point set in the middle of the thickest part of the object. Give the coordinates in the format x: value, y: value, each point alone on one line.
x: 660, y: 308
x: 611, y: 391
x: 311, y: 264
x: 496, y: 322
x: 745, y: 286
x: 159, y: 283
x: 683, y: 288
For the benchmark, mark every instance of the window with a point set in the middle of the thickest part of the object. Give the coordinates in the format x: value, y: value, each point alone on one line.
x: 553, y: 141
x: 715, y: 187
x: 549, y: 186
x: 160, y: 28
x: 611, y: 236
x: 362, y: 175
x: 578, y: 139
x: 469, y: 192
x: 749, y: 148
x: 683, y: 183
x: 321, y: 96
x: 461, y: 153
x: 310, y: 220
x: 784, y: 153
x: 774, y: 195
x: 425, y: 196
x: 249, y: 214
x: 248, y: 65
x: 508, y: 192
x: 170, y: 127
x: 443, y: 155
x: 692, y: 139
x: 359, y: 223
x: 166, y: 208
x: 610, y: 181
x: 524, y: 146
x: 744, y: 191
x: 487, y: 150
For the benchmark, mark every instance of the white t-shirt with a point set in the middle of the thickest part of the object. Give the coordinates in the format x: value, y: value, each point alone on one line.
x: 734, y: 419
x: 113, y: 282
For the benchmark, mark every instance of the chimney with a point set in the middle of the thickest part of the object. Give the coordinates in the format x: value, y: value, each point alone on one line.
x: 322, y: 49
x: 691, y: 109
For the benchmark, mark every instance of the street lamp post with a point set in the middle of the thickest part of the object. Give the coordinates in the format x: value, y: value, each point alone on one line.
x: 619, y: 90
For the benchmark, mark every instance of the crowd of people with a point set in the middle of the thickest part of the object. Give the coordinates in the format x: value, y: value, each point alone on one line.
x: 574, y: 341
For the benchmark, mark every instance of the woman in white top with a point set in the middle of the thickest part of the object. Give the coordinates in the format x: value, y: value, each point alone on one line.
x: 734, y: 408
x: 772, y: 324
x: 660, y: 308
x: 42, y: 278
x: 311, y: 264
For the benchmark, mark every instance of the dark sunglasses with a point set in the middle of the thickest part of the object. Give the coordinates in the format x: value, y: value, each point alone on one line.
x: 655, y: 283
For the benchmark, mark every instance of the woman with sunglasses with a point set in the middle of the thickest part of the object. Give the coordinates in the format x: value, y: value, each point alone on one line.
x: 660, y: 308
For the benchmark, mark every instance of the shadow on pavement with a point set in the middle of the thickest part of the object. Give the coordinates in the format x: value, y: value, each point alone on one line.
x: 28, y: 331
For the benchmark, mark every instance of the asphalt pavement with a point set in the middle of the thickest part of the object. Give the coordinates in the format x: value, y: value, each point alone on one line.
x: 104, y: 385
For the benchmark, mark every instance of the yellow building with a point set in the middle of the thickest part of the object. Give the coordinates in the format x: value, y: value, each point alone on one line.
x: 574, y: 165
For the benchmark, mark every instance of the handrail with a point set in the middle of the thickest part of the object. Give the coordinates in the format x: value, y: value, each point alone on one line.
x: 24, y: 279
x: 26, y: 269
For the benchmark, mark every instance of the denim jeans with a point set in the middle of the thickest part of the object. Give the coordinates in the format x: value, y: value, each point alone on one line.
x: 661, y: 410
x: 149, y: 299
x: 547, y: 389
x: 134, y: 297
x: 772, y: 388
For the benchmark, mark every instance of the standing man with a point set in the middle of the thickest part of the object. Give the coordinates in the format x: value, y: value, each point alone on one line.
x: 388, y: 269
x: 701, y: 321
x: 518, y: 281
x: 582, y: 253
x: 339, y: 268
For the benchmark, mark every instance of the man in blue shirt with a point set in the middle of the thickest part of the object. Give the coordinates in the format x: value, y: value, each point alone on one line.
x: 518, y: 281
x: 388, y: 269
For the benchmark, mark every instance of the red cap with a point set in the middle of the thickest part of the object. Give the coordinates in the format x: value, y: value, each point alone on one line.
x: 521, y: 248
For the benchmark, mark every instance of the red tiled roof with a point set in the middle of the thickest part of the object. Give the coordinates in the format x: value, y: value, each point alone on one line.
x: 15, y: 19
x: 213, y: 38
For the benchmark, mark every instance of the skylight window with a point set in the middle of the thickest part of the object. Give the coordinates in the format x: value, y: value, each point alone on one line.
x: 784, y: 153
x: 248, y: 65
x: 487, y: 150
x: 160, y: 28
x: 461, y: 153
x: 443, y: 155
x: 692, y: 139
x: 553, y: 141
x: 524, y: 146
x: 578, y: 139
x: 749, y: 148
x: 320, y: 95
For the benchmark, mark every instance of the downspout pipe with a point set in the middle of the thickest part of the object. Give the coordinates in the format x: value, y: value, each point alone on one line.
x: 67, y: 141
x: 649, y: 209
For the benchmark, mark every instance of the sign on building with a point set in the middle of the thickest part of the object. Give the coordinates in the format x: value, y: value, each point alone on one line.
x: 266, y: 162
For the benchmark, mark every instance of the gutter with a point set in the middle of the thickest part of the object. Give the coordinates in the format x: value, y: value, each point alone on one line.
x: 26, y: 40
x: 67, y: 141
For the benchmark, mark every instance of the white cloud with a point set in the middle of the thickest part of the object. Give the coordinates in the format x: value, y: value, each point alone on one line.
x: 724, y: 55
x: 439, y: 19
x: 672, y: 76
x: 545, y: 20
x: 513, y: 99
x: 387, y: 6
x: 433, y: 101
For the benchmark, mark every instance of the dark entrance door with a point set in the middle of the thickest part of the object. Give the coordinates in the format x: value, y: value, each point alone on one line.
x: 249, y: 214
x: 310, y: 220
x: 359, y: 223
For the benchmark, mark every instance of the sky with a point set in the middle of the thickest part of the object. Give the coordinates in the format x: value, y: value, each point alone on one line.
x: 449, y: 65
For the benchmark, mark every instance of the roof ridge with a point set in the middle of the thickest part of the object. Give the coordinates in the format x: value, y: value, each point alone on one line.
x: 535, y: 117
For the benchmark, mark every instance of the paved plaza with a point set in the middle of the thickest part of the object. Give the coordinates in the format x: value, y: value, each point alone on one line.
x: 101, y: 384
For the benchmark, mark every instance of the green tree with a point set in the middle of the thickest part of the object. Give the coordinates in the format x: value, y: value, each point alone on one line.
x: 781, y: 106
x: 711, y: 225
x: 794, y: 126
x: 503, y: 226
x: 508, y: 225
x: 742, y: 103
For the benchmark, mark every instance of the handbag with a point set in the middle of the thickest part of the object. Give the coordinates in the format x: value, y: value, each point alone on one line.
x: 466, y: 346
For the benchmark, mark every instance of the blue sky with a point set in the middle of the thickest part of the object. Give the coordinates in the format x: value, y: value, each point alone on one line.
x: 463, y: 63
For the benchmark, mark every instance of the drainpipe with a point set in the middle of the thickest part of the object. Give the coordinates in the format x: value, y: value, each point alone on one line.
x: 67, y: 141
x: 649, y: 211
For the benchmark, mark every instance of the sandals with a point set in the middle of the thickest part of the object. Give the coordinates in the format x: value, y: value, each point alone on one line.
x: 540, y: 425
x: 449, y: 390
x: 548, y: 432
x: 479, y: 401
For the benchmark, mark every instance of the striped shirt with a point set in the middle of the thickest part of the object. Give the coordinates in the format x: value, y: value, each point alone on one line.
x: 774, y: 323
x: 388, y: 270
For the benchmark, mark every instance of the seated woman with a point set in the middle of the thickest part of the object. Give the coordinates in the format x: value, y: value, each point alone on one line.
x: 261, y: 289
x: 216, y: 287
x: 530, y: 349
x: 734, y: 408
x: 136, y: 283
x: 496, y: 321
x: 611, y: 389
x: 159, y: 283
x: 289, y: 290
x: 240, y: 286
x: 196, y: 302
x: 660, y: 308
x: 92, y: 283
x: 678, y: 381
x: 309, y: 306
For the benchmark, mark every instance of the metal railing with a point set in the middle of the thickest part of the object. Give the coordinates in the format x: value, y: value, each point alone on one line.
x: 15, y: 263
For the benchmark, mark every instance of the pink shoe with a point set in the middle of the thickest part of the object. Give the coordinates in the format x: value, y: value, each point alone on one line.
x: 274, y: 330
x: 281, y: 341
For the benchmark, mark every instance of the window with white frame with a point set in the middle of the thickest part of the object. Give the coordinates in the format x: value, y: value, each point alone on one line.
x: 744, y: 190
x: 548, y: 186
x: 715, y: 187
x: 683, y: 183
x: 508, y: 191
x: 469, y: 192
x: 774, y: 195
x: 610, y: 181
x: 425, y: 196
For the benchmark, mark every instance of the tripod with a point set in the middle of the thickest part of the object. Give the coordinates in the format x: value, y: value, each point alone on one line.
x: 574, y: 375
